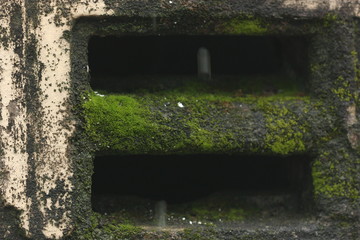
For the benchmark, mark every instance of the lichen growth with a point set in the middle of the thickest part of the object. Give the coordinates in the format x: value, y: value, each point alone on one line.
x: 199, y: 234
x: 101, y: 228
x: 355, y: 56
x: 329, y: 19
x: 248, y: 25
x: 342, y: 91
x: 285, y: 133
x: 327, y: 181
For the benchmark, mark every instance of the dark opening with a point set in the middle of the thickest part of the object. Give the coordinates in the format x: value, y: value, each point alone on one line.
x: 185, y: 178
x: 124, y: 64
x: 115, y: 59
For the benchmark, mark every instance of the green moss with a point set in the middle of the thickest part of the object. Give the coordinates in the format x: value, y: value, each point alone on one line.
x: 230, y: 214
x: 199, y: 234
x: 101, y: 228
x: 123, y: 231
x: 244, y: 26
x: 342, y: 91
x: 356, y: 67
x: 115, y: 120
x: 285, y: 132
x: 327, y: 182
x: 216, y: 209
x: 315, y: 68
x: 194, y: 118
x: 330, y: 19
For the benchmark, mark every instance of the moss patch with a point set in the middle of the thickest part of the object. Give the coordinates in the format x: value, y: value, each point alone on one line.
x: 101, y: 229
x: 194, y: 118
x: 285, y: 132
x: 329, y: 182
x: 117, y: 119
x: 248, y: 25
x: 343, y: 90
x: 215, y: 209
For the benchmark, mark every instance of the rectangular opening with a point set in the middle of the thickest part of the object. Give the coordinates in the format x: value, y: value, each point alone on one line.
x: 210, y: 189
x: 197, y: 186
x: 131, y: 62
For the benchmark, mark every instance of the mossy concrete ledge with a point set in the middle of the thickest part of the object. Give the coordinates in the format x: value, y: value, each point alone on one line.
x: 163, y: 123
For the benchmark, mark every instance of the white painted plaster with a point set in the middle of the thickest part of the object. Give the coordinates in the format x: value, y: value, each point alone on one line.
x: 331, y: 5
x: 13, y: 189
x: 55, y: 55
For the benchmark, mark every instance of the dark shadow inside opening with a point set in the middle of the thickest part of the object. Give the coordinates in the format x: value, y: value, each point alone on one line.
x: 185, y: 178
x: 113, y: 60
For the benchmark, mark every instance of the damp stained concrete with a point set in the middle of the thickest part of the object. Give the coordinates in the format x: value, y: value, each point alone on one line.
x: 46, y: 160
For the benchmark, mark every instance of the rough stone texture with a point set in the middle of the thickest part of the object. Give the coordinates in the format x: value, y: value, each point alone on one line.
x: 45, y: 164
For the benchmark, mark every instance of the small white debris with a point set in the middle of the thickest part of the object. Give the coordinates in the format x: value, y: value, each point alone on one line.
x: 87, y: 68
x: 100, y: 95
x: 180, y: 105
x: 191, y: 222
x: 183, y: 219
x: 170, y: 2
x: 175, y: 22
x: 199, y: 223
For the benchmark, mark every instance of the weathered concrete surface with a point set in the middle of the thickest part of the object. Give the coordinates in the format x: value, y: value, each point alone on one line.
x: 45, y: 169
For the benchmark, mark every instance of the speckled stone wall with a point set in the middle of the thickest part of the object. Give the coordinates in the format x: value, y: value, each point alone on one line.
x: 45, y: 163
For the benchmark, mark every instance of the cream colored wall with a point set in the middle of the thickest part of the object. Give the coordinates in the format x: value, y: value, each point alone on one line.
x: 53, y: 53
x: 330, y: 4
x: 12, y: 127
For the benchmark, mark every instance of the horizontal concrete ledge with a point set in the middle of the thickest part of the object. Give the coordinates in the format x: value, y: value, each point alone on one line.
x: 205, y: 123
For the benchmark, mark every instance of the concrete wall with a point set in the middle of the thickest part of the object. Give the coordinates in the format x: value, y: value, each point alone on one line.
x: 37, y: 126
